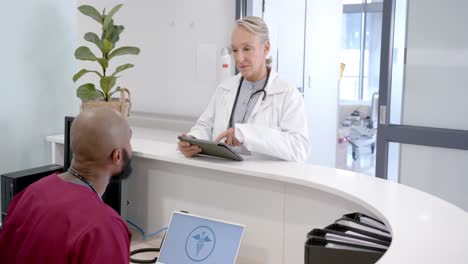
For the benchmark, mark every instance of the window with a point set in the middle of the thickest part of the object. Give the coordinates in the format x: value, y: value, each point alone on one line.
x: 361, y: 52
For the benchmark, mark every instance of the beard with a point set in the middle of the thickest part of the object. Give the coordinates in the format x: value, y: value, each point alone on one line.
x: 126, y: 170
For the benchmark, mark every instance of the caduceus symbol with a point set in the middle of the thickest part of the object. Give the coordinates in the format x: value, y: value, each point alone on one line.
x: 201, y: 240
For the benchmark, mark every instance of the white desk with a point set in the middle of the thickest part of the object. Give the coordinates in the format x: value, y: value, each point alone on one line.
x: 279, y: 202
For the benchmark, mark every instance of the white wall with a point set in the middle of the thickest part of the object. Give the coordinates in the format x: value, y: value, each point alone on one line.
x: 322, y: 74
x: 257, y: 9
x: 286, y: 22
x: 169, y: 33
x: 36, y: 69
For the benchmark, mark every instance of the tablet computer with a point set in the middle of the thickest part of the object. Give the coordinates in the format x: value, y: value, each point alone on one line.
x: 213, y: 148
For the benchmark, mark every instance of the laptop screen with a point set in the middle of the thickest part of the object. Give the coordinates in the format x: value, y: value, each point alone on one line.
x: 194, y: 239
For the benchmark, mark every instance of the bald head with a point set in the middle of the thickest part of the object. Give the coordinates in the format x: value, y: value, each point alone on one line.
x: 97, y: 133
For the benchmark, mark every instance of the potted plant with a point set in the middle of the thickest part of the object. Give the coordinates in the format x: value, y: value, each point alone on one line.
x: 91, y: 95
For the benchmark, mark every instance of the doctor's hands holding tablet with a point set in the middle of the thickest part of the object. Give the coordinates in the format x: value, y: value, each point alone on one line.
x: 230, y: 137
x: 190, y: 150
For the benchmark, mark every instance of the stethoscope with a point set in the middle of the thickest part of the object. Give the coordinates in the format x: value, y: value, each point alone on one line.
x: 81, y: 178
x: 250, y: 98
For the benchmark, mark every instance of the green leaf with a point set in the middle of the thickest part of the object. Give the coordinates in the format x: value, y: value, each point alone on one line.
x: 82, y: 72
x: 93, y: 38
x: 124, y: 51
x: 112, y: 93
x: 87, y: 92
x: 84, y: 53
x: 108, y: 30
x: 109, y: 16
x: 91, y: 12
x: 122, y: 68
x: 114, y: 35
x: 107, y: 83
x: 103, y: 62
x: 107, y: 46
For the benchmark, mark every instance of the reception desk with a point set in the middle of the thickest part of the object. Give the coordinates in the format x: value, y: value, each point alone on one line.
x: 279, y: 202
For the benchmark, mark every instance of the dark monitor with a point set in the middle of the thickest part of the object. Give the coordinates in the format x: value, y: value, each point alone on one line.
x: 113, y: 194
x: 67, y: 153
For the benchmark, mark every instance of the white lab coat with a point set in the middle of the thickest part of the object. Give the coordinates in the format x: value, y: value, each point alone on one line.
x: 277, y: 126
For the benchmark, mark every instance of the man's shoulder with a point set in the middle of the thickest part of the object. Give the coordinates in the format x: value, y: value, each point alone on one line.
x: 36, y: 187
x: 111, y: 217
x: 110, y: 235
x: 109, y: 225
x: 46, y: 181
x: 111, y: 220
x: 105, y: 214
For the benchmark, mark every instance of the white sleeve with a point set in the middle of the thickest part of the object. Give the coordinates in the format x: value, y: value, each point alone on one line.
x: 203, y: 128
x: 290, y: 142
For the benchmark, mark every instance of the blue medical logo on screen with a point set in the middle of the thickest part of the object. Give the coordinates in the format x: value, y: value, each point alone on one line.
x: 200, y: 243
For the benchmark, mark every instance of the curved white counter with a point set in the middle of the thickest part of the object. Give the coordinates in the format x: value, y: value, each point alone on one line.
x: 425, y: 229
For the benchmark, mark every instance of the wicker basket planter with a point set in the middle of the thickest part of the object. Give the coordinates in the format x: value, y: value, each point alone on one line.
x: 123, y: 104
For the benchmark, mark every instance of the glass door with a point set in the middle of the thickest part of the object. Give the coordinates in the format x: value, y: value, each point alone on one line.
x: 423, y: 129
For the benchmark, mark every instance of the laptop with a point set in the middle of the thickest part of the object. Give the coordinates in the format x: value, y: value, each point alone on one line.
x: 194, y: 239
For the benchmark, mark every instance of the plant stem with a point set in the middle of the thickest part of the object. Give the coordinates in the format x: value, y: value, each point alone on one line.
x: 104, y: 69
x: 106, y: 97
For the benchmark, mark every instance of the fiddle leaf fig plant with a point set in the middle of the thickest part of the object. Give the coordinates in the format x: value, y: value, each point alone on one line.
x: 106, y: 46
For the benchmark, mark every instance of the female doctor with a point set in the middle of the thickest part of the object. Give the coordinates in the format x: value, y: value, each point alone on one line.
x: 255, y: 111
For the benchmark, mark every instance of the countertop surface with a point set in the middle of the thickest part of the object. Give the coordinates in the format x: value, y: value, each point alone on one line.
x: 425, y: 229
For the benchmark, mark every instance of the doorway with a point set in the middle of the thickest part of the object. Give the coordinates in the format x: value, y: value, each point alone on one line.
x: 359, y: 85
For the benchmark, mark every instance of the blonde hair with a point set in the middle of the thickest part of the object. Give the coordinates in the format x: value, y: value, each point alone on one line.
x: 258, y: 27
